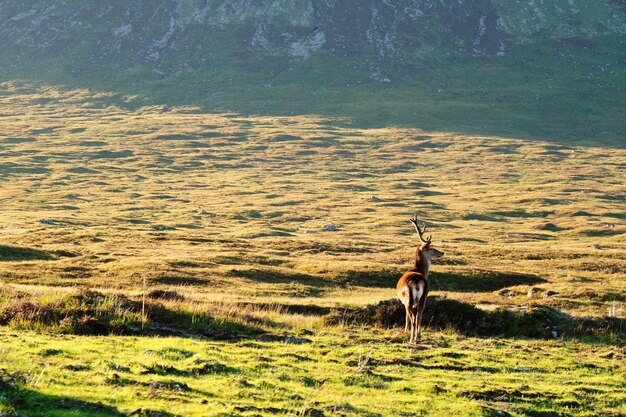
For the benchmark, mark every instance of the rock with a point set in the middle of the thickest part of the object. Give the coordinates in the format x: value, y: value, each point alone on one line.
x: 285, y: 338
x: 492, y: 412
x: 330, y: 227
x: 438, y: 390
x: 165, y: 295
x: 507, y: 293
x: 244, y: 383
x: 296, y: 340
x: 268, y: 337
x: 550, y: 227
x: 168, y: 385
x: 77, y: 367
x: 533, y: 291
x: 118, y: 368
x: 313, y: 412
x: 589, y: 365
x: 211, y: 368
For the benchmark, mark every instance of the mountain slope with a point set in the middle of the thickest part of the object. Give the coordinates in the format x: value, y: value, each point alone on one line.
x: 160, y: 33
x: 529, y: 58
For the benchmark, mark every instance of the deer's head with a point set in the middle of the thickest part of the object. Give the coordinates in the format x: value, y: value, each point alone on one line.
x: 425, y: 249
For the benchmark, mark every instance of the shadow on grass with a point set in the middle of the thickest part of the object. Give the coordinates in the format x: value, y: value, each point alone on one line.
x: 376, y: 278
x: 474, y: 281
x: 442, y: 313
x: 19, y: 401
x: 479, y: 281
x: 91, y: 313
x: 306, y: 285
x: 174, y: 279
x: 14, y: 253
x: 278, y: 277
x: 302, y: 309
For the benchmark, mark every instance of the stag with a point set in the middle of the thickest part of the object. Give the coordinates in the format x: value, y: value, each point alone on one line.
x: 412, y: 287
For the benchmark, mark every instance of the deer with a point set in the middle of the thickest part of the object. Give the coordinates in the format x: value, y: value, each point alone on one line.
x: 412, y: 288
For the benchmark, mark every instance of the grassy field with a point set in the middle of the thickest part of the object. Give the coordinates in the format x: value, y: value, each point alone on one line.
x: 223, y: 219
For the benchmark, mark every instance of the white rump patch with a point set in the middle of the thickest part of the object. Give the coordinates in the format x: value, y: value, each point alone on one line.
x: 417, y: 291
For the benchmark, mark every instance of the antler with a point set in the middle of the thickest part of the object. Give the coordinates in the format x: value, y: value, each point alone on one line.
x: 420, y: 232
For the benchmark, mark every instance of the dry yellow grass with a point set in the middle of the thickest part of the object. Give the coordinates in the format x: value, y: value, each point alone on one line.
x: 225, y: 206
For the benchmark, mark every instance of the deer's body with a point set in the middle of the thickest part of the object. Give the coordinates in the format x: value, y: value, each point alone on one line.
x: 412, y: 291
x: 412, y: 287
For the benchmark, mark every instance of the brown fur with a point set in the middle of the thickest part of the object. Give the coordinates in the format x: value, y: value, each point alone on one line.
x: 409, y: 285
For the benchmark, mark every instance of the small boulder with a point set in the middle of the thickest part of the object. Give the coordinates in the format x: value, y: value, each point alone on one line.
x: 533, y: 292
x: 77, y: 367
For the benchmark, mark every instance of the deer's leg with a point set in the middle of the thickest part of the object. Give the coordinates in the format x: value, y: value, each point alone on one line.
x: 408, y: 323
x: 418, y: 326
x: 420, y: 314
x: 414, y: 326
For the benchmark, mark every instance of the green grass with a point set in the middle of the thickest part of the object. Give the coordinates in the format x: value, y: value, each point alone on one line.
x: 346, y: 371
x: 222, y: 216
x: 544, y: 89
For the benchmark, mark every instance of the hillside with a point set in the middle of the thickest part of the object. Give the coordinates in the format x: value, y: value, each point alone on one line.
x: 204, y: 207
x: 543, y: 70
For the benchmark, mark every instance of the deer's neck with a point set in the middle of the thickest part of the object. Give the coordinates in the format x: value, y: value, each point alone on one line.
x: 422, y: 263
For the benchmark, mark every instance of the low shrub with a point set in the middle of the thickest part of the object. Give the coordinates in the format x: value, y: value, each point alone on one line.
x: 443, y: 313
x: 93, y: 313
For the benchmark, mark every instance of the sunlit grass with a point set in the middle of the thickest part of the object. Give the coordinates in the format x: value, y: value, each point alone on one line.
x: 228, y: 212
